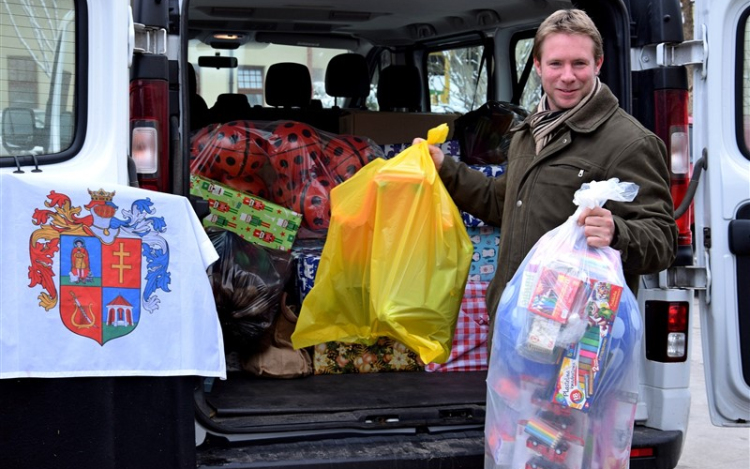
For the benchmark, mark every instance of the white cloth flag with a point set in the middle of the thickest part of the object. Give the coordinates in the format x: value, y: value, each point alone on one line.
x: 103, y: 281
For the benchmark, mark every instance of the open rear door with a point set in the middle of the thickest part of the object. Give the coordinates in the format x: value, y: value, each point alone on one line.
x: 721, y: 132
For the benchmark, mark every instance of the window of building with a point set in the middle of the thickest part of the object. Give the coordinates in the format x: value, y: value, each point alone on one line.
x: 22, y: 82
x: 250, y: 83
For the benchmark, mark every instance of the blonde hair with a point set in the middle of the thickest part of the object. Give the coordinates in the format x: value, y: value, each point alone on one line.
x: 571, y: 21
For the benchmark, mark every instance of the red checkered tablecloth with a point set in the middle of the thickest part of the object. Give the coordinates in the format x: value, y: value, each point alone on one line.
x: 469, y: 352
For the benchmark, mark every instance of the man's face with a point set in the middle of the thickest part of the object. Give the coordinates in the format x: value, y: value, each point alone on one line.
x: 567, y: 68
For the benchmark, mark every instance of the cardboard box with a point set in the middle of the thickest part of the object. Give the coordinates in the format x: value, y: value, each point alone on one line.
x: 393, y: 127
x: 254, y: 219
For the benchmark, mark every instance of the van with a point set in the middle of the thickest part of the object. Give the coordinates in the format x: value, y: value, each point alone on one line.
x: 111, y: 93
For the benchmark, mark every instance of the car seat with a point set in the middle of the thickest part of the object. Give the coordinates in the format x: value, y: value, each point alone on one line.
x: 400, y: 89
x: 288, y: 85
x: 198, y: 106
x: 347, y: 76
x: 229, y: 107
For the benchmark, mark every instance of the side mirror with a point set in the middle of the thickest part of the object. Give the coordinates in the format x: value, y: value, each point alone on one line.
x: 18, y: 129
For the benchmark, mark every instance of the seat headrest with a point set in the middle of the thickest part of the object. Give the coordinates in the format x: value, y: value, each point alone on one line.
x: 230, y: 107
x: 192, y: 81
x: 347, y: 76
x: 400, y: 87
x: 288, y: 84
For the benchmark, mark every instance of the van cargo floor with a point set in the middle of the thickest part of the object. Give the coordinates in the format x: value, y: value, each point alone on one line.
x: 246, y: 395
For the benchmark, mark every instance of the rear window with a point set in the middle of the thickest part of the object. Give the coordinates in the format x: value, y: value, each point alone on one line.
x: 253, y: 60
x: 743, y: 83
x: 37, y: 77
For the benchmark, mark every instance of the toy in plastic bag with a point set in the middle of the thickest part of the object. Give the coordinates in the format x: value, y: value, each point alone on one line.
x: 247, y: 282
x: 395, y: 262
x: 563, y: 374
x: 286, y: 162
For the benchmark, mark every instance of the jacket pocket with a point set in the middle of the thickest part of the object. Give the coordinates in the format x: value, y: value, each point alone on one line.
x: 569, y: 173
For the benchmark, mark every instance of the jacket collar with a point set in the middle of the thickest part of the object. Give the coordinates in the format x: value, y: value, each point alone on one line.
x: 594, y: 113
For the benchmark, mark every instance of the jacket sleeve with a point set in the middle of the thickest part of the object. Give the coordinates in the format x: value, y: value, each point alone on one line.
x: 645, y: 229
x: 473, y: 191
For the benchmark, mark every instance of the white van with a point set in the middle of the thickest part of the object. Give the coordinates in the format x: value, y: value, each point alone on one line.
x: 107, y: 92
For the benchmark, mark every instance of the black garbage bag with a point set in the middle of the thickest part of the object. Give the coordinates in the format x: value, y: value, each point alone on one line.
x: 484, y: 133
x: 247, y: 283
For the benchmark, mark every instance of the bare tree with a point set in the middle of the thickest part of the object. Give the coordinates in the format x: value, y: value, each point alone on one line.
x: 37, y: 26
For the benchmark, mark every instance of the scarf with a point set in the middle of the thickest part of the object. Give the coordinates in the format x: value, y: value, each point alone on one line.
x: 546, y: 121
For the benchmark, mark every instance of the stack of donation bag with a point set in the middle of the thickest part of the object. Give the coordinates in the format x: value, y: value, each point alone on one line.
x: 269, y: 185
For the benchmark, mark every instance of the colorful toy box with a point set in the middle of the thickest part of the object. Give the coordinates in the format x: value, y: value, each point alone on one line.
x: 254, y: 219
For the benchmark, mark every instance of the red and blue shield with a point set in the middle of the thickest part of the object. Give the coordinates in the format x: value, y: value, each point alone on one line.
x: 100, y: 286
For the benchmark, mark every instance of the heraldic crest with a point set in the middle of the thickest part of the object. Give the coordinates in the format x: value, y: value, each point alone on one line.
x: 102, y: 291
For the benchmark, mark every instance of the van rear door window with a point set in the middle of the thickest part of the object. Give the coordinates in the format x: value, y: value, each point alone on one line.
x: 37, y: 77
x: 249, y: 78
x: 743, y: 83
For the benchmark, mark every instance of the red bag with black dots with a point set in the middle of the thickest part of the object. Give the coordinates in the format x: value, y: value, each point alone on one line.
x: 287, y: 162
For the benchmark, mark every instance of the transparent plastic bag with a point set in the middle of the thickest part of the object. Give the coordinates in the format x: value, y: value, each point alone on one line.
x: 563, y: 373
x: 290, y: 163
x: 395, y: 262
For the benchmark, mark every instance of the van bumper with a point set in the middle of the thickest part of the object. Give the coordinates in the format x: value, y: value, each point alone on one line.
x: 450, y: 450
x: 666, y: 445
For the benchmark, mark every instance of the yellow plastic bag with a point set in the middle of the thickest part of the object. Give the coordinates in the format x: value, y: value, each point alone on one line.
x: 395, y: 261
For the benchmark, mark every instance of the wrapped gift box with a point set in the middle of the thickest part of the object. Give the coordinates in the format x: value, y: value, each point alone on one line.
x: 254, y: 219
x: 306, y: 254
x: 486, y: 240
x: 491, y: 171
x: 449, y: 147
x: 469, y: 349
x: 384, y: 355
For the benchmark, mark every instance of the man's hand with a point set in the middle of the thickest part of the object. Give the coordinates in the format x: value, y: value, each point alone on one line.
x: 435, y: 153
x: 598, y: 226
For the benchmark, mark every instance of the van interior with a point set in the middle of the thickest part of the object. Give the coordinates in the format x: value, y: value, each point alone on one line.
x: 388, y: 71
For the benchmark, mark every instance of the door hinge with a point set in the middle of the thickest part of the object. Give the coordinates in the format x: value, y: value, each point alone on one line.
x: 707, y: 238
x: 692, y: 277
x: 694, y: 52
x: 149, y: 40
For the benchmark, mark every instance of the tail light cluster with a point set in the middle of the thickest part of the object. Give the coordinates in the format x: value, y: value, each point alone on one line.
x: 667, y: 331
x: 671, y: 125
x: 149, y: 124
x: 148, y: 133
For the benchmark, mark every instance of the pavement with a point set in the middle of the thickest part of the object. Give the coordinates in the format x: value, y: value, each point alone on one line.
x: 707, y: 446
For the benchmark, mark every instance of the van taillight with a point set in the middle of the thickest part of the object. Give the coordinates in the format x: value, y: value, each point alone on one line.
x: 671, y: 125
x: 667, y: 331
x: 149, y: 137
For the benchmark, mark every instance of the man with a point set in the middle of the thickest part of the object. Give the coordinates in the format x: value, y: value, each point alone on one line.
x: 578, y: 134
x: 79, y: 259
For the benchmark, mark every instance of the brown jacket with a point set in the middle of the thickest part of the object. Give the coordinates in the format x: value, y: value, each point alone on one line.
x: 535, y: 194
